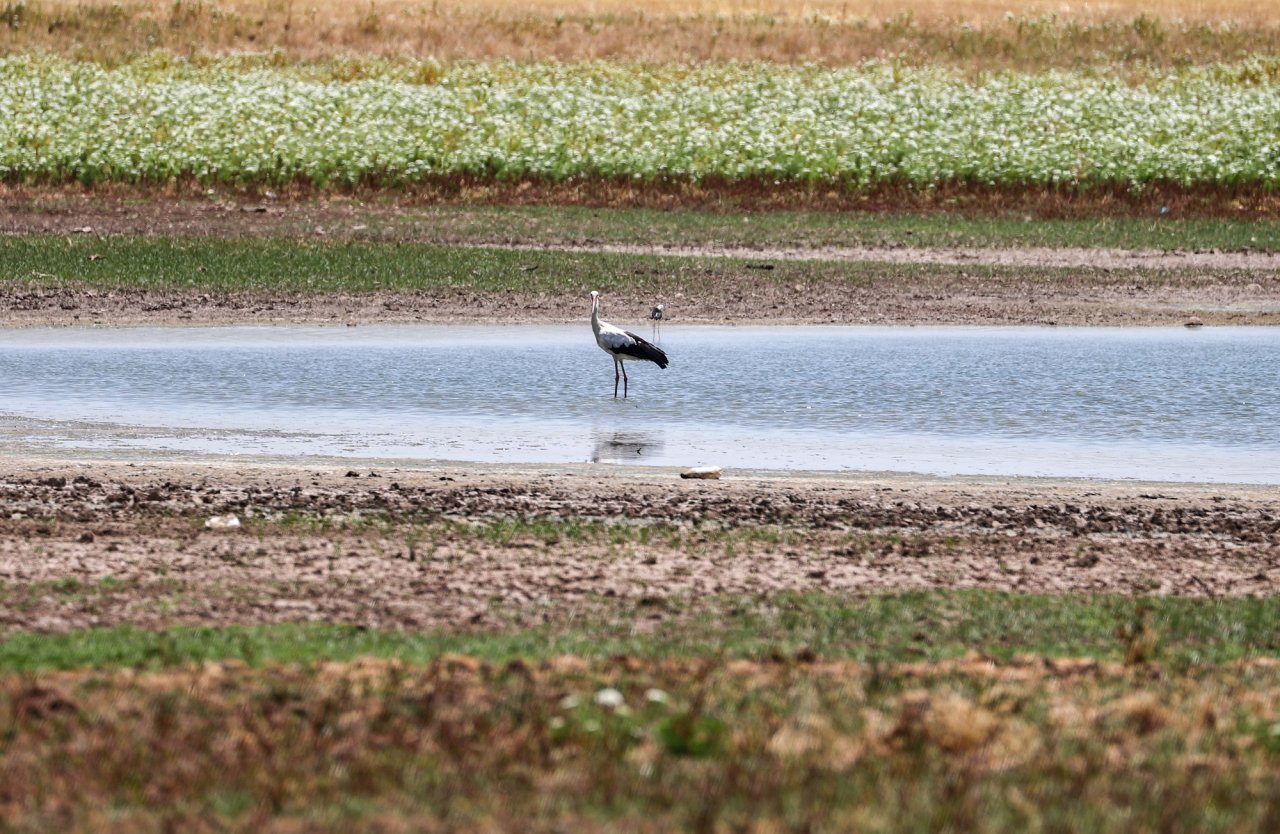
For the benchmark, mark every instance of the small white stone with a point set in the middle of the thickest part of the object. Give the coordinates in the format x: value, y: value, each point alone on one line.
x: 222, y: 522
x: 656, y: 696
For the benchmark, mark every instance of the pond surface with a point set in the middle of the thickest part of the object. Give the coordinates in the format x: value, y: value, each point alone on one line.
x: 1143, y: 403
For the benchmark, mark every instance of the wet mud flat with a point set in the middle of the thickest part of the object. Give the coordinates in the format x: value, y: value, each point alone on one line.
x: 85, y: 544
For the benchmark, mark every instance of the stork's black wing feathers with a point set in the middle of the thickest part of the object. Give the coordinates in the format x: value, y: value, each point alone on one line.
x: 643, y: 349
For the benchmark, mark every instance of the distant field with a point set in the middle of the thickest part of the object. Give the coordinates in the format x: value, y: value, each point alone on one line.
x: 781, y: 105
x: 392, y: 124
x: 973, y: 35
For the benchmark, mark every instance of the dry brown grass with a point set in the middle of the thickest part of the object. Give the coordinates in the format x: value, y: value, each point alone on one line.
x: 976, y: 35
x: 466, y: 745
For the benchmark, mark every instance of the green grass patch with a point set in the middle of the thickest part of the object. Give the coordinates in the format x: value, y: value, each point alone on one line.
x: 881, y: 628
x: 809, y: 229
x: 293, y: 267
x: 287, y: 266
x: 570, y: 225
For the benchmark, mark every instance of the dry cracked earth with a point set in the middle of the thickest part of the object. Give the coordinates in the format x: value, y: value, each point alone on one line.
x: 95, y: 544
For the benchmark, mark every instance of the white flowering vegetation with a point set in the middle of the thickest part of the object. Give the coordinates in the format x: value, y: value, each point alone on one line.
x: 239, y: 120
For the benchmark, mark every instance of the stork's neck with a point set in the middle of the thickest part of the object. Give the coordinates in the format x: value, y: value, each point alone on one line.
x: 595, y: 314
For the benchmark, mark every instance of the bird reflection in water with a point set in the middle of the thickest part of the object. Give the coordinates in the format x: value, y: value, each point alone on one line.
x: 624, y: 446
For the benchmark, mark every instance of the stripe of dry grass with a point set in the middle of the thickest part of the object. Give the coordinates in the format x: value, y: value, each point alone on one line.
x: 644, y: 745
x: 1157, y: 201
x: 975, y: 35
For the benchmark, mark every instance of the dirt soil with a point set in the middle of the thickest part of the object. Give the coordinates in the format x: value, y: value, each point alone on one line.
x: 1241, y: 288
x: 96, y: 544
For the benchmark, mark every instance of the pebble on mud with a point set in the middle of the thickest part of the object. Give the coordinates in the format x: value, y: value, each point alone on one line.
x: 222, y: 522
x: 711, y: 473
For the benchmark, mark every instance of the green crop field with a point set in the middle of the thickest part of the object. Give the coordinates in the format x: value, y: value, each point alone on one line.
x: 240, y: 120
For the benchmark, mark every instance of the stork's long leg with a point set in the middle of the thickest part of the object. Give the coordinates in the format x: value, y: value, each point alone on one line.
x: 616, y: 366
x: 624, y: 380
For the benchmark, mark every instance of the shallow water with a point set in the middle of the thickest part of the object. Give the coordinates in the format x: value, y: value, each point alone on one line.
x: 1148, y: 403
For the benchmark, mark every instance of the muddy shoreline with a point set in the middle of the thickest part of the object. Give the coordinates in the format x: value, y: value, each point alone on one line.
x: 86, y: 544
x: 956, y: 301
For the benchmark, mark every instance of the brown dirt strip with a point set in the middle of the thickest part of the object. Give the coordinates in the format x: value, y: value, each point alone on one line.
x: 400, y: 549
x: 730, y: 297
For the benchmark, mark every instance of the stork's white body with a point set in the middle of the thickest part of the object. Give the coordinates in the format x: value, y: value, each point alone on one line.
x: 622, y: 345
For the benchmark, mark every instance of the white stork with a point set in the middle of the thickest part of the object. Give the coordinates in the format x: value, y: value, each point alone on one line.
x: 622, y: 345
